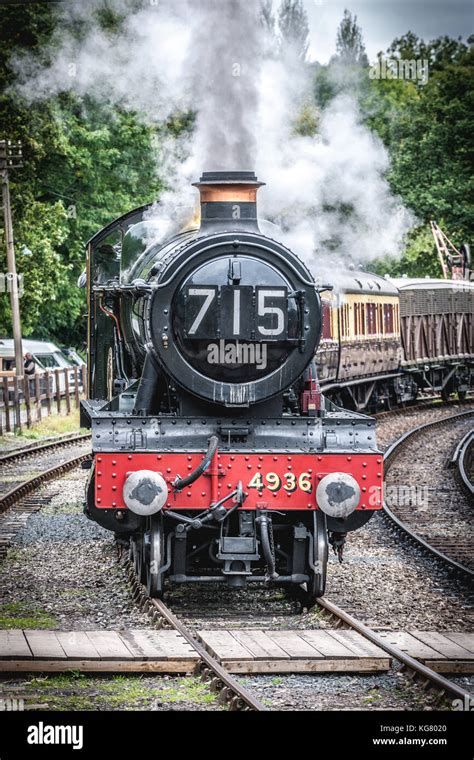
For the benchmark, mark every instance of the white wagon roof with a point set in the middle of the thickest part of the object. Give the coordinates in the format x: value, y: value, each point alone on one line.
x: 7, y: 348
x: 427, y: 283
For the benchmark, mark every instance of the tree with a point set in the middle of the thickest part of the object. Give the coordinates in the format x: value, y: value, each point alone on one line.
x: 428, y: 131
x: 293, y: 29
x: 439, y: 52
x: 85, y: 164
x: 349, y: 43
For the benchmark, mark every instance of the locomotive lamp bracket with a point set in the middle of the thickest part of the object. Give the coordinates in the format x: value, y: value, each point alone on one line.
x: 233, y: 432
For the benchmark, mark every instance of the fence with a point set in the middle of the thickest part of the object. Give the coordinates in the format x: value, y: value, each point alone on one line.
x: 24, y: 400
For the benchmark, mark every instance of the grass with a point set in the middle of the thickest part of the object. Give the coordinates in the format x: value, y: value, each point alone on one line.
x: 55, y: 424
x: 79, y: 691
x: 372, y: 696
x: 21, y: 615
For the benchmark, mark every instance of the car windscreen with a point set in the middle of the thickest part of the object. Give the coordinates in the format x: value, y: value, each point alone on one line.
x: 50, y: 361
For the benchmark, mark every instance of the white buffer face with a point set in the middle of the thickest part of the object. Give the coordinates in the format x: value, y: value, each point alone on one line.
x: 338, y: 494
x: 145, y: 492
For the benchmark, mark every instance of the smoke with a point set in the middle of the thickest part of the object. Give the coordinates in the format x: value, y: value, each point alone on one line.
x: 224, y: 53
x: 329, y: 192
x: 214, y: 58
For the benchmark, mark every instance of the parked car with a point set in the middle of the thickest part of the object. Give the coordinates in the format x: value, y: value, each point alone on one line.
x: 73, y: 356
x: 47, y: 356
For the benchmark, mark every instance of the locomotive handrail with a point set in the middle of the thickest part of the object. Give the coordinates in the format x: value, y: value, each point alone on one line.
x: 236, y: 243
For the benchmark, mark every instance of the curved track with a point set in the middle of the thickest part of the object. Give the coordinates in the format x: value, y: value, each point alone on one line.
x: 48, y: 444
x: 418, y: 524
x: 53, y: 470
x: 463, y: 458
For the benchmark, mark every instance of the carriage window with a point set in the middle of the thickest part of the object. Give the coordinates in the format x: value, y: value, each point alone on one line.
x: 344, y: 320
x: 327, y: 331
x: 379, y: 318
x: 371, y: 319
x: 388, y: 321
x: 360, y: 319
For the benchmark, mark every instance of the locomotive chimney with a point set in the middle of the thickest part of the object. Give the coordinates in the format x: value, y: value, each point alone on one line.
x: 228, y: 200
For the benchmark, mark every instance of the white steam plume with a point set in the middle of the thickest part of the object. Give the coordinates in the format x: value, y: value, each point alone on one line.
x: 210, y: 56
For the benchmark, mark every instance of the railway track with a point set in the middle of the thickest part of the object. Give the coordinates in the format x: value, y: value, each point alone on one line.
x: 46, y: 444
x: 41, y: 456
x: 161, y: 615
x: 428, y: 676
x: 463, y: 459
x: 234, y: 694
x: 444, y: 534
x: 24, y: 501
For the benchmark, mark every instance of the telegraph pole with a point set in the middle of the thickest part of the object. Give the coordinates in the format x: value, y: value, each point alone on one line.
x: 11, y: 158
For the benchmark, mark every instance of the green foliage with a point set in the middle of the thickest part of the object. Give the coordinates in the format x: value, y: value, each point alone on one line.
x: 349, y: 43
x: 419, y: 258
x: 427, y: 129
x: 85, y: 163
x: 307, y: 120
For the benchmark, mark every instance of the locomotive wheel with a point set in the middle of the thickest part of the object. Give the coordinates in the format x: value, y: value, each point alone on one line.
x: 154, y: 554
x: 317, y: 582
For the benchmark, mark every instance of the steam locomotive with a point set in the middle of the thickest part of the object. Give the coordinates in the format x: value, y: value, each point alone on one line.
x: 215, y: 455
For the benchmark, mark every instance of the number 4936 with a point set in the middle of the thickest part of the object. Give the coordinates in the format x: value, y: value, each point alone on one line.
x: 289, y: 482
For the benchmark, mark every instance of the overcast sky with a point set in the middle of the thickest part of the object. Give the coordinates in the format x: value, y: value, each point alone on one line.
x: 383, y: 20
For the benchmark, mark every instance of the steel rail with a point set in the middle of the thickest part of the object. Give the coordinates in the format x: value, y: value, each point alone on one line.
x: 459, y: 459
x: 422, y: 404
x: 210, y: 662
x: 236, y: 694
x: 389, y: 457
x: 25, y: 488
x: 417, y: 667
x: 39, y: 446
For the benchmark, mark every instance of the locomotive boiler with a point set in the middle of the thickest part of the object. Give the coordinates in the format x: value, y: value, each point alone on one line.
x: 215, y: 456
